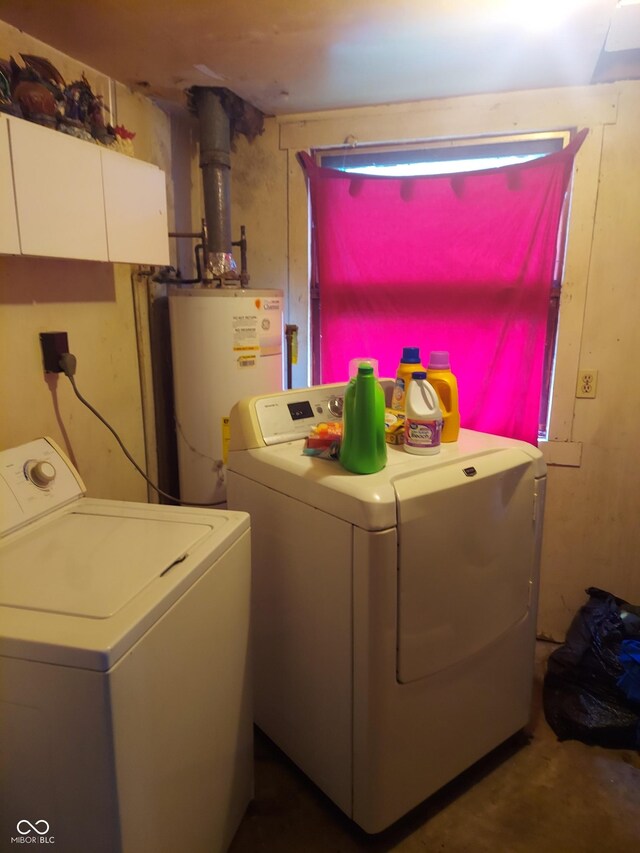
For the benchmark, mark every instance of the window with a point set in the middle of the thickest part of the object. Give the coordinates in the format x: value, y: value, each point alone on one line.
x: 440, y: 158
x: 447, y: 157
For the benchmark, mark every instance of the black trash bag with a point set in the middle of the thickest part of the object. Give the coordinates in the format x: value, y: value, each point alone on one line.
x: 630, y: 660
x: 581, y: 697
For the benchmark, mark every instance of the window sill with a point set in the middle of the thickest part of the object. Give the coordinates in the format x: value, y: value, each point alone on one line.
x: 565, y: 453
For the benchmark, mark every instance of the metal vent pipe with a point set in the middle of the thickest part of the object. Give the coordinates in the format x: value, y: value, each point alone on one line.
x: 215, y: 163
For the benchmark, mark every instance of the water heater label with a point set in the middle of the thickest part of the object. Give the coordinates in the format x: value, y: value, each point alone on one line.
x: 226, y: 438
x: 246, y: 361
x: 245, y: 333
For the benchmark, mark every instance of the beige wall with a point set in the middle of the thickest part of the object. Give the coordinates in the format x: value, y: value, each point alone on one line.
x: 259, y: 202
x: 592, y: 535
x: 99, y: 307
x: 591, y: 530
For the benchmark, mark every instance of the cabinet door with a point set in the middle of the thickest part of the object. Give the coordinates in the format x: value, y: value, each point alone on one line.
x: 9, y: 240
x: 58, y: 185
x: 135, y: 201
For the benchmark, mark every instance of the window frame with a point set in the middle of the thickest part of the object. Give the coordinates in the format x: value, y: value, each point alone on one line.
x: 493, y: 114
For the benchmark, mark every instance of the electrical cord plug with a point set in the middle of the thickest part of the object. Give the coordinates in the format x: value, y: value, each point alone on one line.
x: 68, y: 364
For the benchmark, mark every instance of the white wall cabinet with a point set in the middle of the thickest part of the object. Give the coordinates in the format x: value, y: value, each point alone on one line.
x: 78, y: 200
x: 9, y: 240
x: 135, y: 202
x: 58, y: 182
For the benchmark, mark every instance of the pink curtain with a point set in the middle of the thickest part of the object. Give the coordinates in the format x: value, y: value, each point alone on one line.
x: 461, y: 262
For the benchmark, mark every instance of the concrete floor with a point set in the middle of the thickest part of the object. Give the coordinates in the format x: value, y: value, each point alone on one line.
x: 531, y: 795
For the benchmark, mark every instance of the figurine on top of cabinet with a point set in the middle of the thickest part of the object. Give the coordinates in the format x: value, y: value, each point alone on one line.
x: 37, y: 91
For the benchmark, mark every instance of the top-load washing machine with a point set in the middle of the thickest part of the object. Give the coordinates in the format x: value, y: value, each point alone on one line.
x: 394, y: 613
x: 125, y: 700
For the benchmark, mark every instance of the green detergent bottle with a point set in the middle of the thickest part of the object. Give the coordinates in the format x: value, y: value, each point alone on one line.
x: 363, y: 449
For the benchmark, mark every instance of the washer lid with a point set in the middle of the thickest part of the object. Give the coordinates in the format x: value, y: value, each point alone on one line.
x: 91, y: 565
x: 80, y: 586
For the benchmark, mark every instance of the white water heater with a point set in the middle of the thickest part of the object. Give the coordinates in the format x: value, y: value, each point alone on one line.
x: 226, y: 344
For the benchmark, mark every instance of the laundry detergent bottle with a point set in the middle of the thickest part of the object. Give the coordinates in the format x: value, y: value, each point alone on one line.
x: 408, y: 364
x: 423, y: 418
x: 363, y: 449
x: 439, y: 375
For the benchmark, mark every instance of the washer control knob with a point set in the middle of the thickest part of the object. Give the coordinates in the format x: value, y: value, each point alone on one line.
x: 40, y: 472
x: 335, y: 406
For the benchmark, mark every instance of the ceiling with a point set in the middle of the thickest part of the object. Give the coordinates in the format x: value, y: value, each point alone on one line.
x: 292, y: 56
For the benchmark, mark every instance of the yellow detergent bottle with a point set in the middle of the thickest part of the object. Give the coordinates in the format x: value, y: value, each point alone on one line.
x: 439, y: 375
x: 409, y: 363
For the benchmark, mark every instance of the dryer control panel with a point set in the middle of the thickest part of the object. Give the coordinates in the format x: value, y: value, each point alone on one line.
x: 288, y: 415
x: 35, y: 479
x: 291, y: 415
x: 284, y: 416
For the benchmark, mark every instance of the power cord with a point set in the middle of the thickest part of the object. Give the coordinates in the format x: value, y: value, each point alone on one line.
x: 68, y: 366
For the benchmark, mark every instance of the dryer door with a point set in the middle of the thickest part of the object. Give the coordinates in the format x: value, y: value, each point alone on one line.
x: 467, y: 558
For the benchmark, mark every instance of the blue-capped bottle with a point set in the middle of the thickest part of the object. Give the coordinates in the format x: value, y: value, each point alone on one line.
x: 409, y: 363
x: 363, y: 449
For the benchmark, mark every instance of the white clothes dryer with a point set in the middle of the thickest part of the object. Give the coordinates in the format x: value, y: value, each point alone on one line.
x: 394, y: 614
x: 125, y: 703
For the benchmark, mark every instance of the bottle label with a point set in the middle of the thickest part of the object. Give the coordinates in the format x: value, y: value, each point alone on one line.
x: 397, y: 401
x: 422, y: 433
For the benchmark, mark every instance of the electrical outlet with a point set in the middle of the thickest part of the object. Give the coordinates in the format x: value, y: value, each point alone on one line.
x: 54, y: 345
x: 587, y: 383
